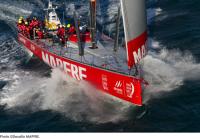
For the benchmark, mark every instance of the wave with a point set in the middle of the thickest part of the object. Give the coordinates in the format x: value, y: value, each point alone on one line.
x: 76, y: 100
x: 167, y: 70
x: 11, y: 12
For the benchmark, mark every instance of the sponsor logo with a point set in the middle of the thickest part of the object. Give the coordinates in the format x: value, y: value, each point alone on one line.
x: 140, y: 53
x: 75, y: 71
x: 130, y: 90
x: 118, y: 84
x: 118, y: 87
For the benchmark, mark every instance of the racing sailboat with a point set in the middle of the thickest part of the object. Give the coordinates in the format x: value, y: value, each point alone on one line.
x: 90, y: 56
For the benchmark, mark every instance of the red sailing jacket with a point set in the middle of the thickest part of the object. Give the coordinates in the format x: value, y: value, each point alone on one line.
x: 20, y: 27
x: 71, y: 30
x: 23, y: 28
x: 40, y: 34
x: 61, y: 32
x: 34, y: 23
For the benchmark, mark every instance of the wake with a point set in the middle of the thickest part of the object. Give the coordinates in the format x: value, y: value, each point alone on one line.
x: 76, y: 100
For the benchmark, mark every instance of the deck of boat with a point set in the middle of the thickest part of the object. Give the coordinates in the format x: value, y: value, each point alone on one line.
x: 103, y: 56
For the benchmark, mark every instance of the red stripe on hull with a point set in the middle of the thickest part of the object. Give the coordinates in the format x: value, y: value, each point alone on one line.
x: 119, y: 85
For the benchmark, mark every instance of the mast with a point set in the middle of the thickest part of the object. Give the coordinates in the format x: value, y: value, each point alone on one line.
x: 135, y: 29
x: 93, y: 22
x: 116, y: 45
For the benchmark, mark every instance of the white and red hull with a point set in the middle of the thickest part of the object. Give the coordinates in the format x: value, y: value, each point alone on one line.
x: 122, y: 86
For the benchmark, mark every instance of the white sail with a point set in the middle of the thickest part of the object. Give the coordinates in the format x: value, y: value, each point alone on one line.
x: 134, y: 19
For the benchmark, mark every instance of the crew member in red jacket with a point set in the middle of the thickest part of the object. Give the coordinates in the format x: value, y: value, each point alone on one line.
x: 40, y: 34
x: 27, y: 29
x: 70, y: 29
x: 61, y: 34
x: 34, y: 23
x: 19, y: 26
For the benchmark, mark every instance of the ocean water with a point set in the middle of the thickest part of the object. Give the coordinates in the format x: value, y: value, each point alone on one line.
x: 34, y: 98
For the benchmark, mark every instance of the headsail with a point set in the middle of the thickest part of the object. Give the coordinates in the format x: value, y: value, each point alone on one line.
x: 134, y: 19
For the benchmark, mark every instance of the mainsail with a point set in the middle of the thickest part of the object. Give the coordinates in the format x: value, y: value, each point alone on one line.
x: 134, y: 20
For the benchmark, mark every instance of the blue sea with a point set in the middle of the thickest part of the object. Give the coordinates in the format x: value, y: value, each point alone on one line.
x: 35, y: 98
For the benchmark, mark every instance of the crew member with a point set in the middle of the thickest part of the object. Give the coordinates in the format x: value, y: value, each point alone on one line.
x: 27, y: 29
x: 40, y: 33
x: 19, y: 26
x: 70, y: 29
x: 61, y: 34
x: 34, y: 22
x: 23, y: 29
